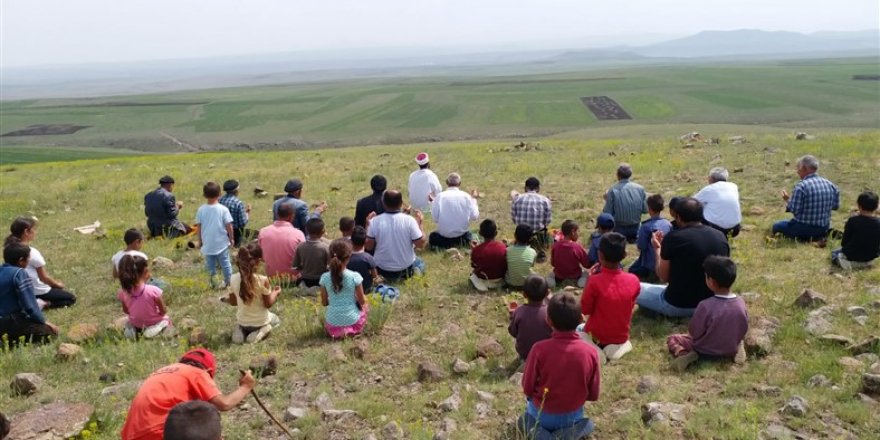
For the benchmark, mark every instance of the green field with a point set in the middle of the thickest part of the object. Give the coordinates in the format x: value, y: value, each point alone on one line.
x: 439, y: 317
x: 787, y: 95
x: 32, y: 154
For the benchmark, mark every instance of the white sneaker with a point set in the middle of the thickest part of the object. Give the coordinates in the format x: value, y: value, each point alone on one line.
x: 154, y: 330
x: 616, y: 351
x: 259, y: 334
x: 237, y: 335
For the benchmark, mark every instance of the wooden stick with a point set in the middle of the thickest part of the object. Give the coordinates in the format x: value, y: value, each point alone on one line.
x: 259, y: 402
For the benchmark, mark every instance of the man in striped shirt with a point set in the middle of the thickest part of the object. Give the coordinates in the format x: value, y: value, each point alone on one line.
x: 810, y: 204
x: 626, y: 201
x: 533, y: 209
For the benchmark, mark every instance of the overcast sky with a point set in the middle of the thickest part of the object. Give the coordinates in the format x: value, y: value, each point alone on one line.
x: 40, y: 32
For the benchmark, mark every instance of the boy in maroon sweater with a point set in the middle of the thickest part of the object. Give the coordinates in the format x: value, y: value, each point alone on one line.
x: 609, y: 299
x: 561, y: 374
x: 720, y: 322
x: 489, y: 259
x: 528, y: 322
x: 568, y: 258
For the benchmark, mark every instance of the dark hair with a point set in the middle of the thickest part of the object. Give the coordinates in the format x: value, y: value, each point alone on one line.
x: 346, y: 224
x: 315, y: 226
x: 535, y: 288
x: 612, y: 246
x: 721, y: 269
x: 132, y: 235
x: 211, y: 190
x: 867, y: 201
x: 568, y: 227
x: 488, y: 229
x: 340, y: 252
x: 673, y: 203
x: 689, y: 210
x: 17, y: 229
x: 624, y: 171
x: 249, y: 257
x: 564, y: 312
x: 392, y: 199
x: 14, y: 252
x: 131, y: 269
x: 523, y: 233
x: 358, y: 236
x: 655, y: 202
x: 378, y: 183
x: 426, y: 165
x: 4, y: 426
x: 532, y: 183
x: 285, y: 210
x: 193, y: 420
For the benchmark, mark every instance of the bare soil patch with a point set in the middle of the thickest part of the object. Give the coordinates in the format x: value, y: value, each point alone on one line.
x: 46, y: 129
x: 605, y: 108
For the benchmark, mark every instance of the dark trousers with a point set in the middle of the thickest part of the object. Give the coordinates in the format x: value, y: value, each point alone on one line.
x: 309, y: 282
x: 244, y: 233
x: 169, y: 231
x: 15, y: 329
x: 799, y: 231
x: 729, y: 232
x: 628, y: 231
x: 645, y: 275
x: 435, y: 240
x: 58, y: 298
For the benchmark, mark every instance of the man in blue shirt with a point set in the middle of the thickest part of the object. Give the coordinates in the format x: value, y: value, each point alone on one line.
x: 810, y: 204
x: 20, y: 316
x: 293, y: 188
x: 625, y: 200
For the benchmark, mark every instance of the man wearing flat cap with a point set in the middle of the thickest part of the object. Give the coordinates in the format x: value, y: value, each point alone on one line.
x: 161, y: 209
x: 238, y: 210
x: 293, y: 188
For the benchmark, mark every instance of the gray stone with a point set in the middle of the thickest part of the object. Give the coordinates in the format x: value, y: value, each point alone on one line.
x: 809, y: 299
x: 796, y: 406
x: 25, y: 384
x: 647, y: 384
x: 857, y: 311
x: 868, y: 358
x: 55, y: 421
x: 338, y: 415
x: 264, y: 366
x: 485, y: 396
x: 392, y: 431
x: 370, y: 436
x: 489, y: 347
x: 869, y: 345
x: 460, y: 367
x: 662, y: 412
x: 777, y: 431
x: 871, y: 384
x: 482, y: 409
x: 448, y: 425
x: 819, y: 381
x: 836, y: 339
x: 860, y: 320
x: 875, y: 304
x: 322, y: 402
x: 67, y: 352
x: 429, y: 372
x: 767, y: 390
x: 817, y: 323
x: 874, y: 368
x: 759, y: 339
x: 162, y: 263
x: 866, y: 399
x: 516, y: 378
x: 293, y: 413
x: 452, y: 403
x: 360, y: 348
x: 850, y: 363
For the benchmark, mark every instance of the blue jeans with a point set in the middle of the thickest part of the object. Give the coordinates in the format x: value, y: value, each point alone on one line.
x: 540, y: 425
x: 801, y: 231
x: 221, y: 259
x: 651, y: 298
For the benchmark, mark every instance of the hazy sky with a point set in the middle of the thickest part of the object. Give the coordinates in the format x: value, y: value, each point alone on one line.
x: 38, y: 32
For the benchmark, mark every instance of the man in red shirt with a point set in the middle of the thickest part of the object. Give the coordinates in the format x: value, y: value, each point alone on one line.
x: 609, y: 298
x: 192, y: 378
x: 561, y: 374
x: 489, y: 259
x: 569, y: 258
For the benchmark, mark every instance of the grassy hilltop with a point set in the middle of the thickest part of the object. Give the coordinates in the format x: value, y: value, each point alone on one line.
x: 438, y: 317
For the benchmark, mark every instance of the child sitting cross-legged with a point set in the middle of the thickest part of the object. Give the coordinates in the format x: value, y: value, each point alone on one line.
x: 346, y: 226
x: 860, y: 245
x: 520, y: 257
x: 528, y: 322
x: 343, y: 294
x: 561, y: 374
x: 360, y: 261
x: 604, y: 224
x: 134, y: 243
x: 252, y: 294
x: 720, y: 322
x: 609, y: 298
x: 489, y: 259
x: 312, y: 256
x: 568, y: 258
x: 142, y: 302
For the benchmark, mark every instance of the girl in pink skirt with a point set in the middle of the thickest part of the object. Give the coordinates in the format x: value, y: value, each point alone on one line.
x: 342, y: 292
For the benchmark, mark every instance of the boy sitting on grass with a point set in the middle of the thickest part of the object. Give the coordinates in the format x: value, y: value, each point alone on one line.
x: 604, y: 223
x: 568, y: 258
x: 528, y: 323
x: 134, y: 243
x: 861, y: 236
x: 489, y: 259
x: 312, y: 256
x: 193, y: 420
x: 520, y: 257
x: 561, y: 374
x: 609, y: 298
x: 646, y: 263
x: 360, y: 261
x: 346, y: 227
x: 720, y: 322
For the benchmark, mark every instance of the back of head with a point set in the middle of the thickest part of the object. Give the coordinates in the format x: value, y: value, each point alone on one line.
x: 211, y: 190
x: 13, y: 253
x: 315, y: 227
x: 568, y: 227
x: 564, y: 312
x: 392, y: 199
x: 689, y: 210
x: 808, y: 162
x: 624, y: 171
x: 612, y: 247
x: 533, y: 184
x: 340, y: 252
x: 358, y: 236
x: 230, y: 186
x: 535, y: 288
x: 867, y: 201
x: 131, y: 269
x: 655, y: 202
x: 378, y: 183
x: 453, y: 179
x: 193, y: 420
x: 249, y: 257
x: 346, y: 224
x: 523, y: 234
x: 132, y: 235
x: 488, y: 229
x: 673, y: 205
x: 18, y: 228
x: 285, y: 211
x: 721, y: 269
x: 719, y: 174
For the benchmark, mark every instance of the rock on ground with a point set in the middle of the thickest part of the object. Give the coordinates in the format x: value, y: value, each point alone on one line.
x: 871, y: 384
x: 663, y: 412
x: 850, y: 363
x: 759, y: 339
x: 810, y: 299
x: 82, y: 332
x: 516, y: 378
x: 67, y: 352
x: 485, y: 396
x: 796, y: 406
x: 360, y: 348
x: 392, y: 431
x: 767, y: 390
x: 817, y: 321
x: 322, y: 402
x: 452, y: 403
x: 264, y: 366
x: 777, y: 431
x: 338, y: 415
x: 163, y: 263
x: 429, y: 372
x: 293, y: 413
x: 482, y: 409
x: 335, y: 353
x: 647, y: 384
x: 869, y: 345
x: 55, y: 421
x: 818, y: 381
x: 198, y: 337
x: 836, y: 339
x: 857, y: 311
x: 460, y: 367
x: 25, y: 384
x: 489, y: 347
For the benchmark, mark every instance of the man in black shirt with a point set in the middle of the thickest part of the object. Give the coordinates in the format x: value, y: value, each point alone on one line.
x: 861, y: 236
x: 161, y: 209
x: 372, y: 202
x: 680, y: 256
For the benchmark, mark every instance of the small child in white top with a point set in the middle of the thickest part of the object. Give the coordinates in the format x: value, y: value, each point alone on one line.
x: 252, y: 294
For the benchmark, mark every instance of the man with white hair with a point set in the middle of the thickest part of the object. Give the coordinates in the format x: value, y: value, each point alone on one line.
x: 453, y: 210
x: 423, y: 184
x: 810, y: 204
x: 720, y: 200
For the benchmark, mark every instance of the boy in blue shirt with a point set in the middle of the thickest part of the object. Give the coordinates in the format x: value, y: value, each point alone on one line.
x: 20, y: 316
x: 644, y: 266
x: 215, y: 234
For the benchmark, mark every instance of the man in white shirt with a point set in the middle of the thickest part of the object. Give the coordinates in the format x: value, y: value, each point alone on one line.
x: 453, y: 210
x: 394, y: 236
x: 720, y: 200
x: 424, y: 185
